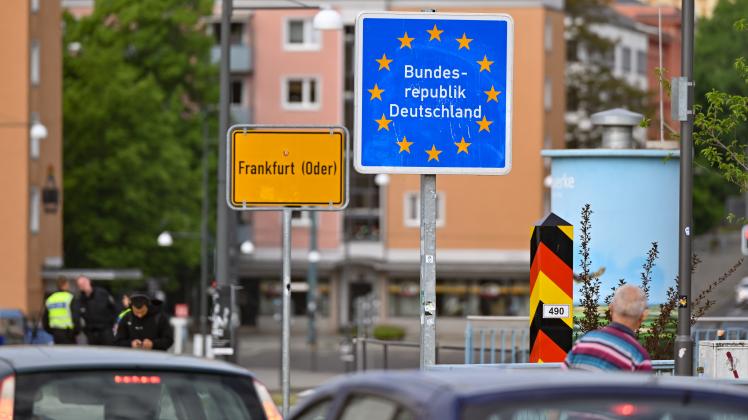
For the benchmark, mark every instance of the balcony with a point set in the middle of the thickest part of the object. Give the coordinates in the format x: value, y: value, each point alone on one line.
x: 240, y: 114
x: 241, y: 57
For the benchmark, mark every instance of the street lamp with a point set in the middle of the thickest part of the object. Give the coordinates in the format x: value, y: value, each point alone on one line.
x: 38, y: 131
x: 165, y: 239
x: 327, y: 19
x: 247, y: 247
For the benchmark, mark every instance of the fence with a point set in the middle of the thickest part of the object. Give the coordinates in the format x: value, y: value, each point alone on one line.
x: 513, y: 345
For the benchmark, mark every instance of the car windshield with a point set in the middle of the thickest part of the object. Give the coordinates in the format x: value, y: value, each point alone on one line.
x: 590, y: 409
x: 124, y: 395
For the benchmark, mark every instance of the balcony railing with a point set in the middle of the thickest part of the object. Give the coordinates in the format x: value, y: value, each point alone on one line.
x: 241, y: 57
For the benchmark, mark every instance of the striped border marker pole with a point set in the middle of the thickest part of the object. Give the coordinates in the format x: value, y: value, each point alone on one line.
x: 551, y: 290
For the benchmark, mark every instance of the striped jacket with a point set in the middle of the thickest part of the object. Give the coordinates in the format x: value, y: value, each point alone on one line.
x: 613, y: 347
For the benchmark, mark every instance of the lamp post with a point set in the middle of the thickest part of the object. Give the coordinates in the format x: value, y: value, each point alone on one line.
x: 683, y: 342
x: 311, y: 306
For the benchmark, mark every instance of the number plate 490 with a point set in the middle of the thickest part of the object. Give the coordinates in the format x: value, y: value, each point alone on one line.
x: 556, y: 311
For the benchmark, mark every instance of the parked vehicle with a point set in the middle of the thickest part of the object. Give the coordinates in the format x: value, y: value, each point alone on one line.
x: 741, y: 292
x: 492, y: 394
x: 15, y: 328
x: 87, y: 383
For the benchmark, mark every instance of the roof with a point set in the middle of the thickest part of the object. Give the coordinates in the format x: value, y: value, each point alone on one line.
x: 423, y: 386
x: 61, y: 358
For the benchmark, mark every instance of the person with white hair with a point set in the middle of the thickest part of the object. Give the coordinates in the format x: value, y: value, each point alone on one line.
x: 615, y: 347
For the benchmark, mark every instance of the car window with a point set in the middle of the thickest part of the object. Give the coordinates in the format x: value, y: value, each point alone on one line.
x: 105, y: 395
x: 318, y: 411
x: 371, y: 407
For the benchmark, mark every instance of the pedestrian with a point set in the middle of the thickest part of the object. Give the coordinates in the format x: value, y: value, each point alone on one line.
x: 125, y: 310
x: 61, y: 316
x: 146, y: 326
x: 98, y: 311
x: 615, y: 347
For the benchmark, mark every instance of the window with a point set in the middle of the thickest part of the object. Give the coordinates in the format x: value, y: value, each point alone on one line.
x: 548, y: 34
x: 641, y: 62
x: 301, y: 93
x: 300, y: 218
x: 34, y: 209
x: 98, y: 395
x: 35, y: 63
x: 412, y: 209
x: 34, y: 6
x: 548, y: 94
x: 236, y: 37
x: 370, y: 407
x: 301, y: 35
x: 626, y: 59
x: 318, y: 411
x: 237, y: 92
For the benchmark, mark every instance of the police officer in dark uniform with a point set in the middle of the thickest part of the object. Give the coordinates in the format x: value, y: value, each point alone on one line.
x: 61, y: 319
x: 146, y: 326
x: 98, y: 311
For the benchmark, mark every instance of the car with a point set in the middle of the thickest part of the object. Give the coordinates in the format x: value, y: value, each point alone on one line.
x: 87, y: 383
x: 741, y: 292
x: 493, y: 394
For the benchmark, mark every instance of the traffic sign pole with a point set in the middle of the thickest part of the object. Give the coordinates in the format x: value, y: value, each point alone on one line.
x: 286, y: 333
x: 428, y: 271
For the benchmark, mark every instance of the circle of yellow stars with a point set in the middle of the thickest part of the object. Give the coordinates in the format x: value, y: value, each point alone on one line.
x: 435, y: 34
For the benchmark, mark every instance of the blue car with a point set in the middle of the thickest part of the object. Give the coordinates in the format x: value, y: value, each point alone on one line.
x: 492, y: 394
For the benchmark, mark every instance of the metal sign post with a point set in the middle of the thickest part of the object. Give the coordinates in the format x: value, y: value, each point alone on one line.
x: 428, y: 271
x: 286, y: 328
x: 433, y: 96
x: 287, y: 168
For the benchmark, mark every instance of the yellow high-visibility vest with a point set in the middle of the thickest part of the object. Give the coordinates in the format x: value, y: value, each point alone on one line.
x: 59, y: 311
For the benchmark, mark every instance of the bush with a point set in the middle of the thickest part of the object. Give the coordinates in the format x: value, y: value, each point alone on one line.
x: 388, y: 332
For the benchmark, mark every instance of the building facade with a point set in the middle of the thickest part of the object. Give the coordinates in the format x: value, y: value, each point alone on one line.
x: 30, y: 150
x: 301, y: 76
x: 286, y: 72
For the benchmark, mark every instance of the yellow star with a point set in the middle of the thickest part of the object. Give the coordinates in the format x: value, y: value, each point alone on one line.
x: 405, y: 41
x: 483, y: 124
x: 435, y: 34
x: 464, y: 41
x: 433, y: 153
x: 492, y: 95
x: 462, y: 146
x: 384, y: 62
x: 485, y: 64
x: 385, y: 123
x: 375, y: 92
x: 404, y: 145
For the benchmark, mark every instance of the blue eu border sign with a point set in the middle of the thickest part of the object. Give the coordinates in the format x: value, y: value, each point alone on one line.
x: 433, y: 93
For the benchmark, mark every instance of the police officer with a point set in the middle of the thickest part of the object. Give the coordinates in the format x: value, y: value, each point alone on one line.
x: 99, y: 312
x: 146, y: 326
x: 61, y: 318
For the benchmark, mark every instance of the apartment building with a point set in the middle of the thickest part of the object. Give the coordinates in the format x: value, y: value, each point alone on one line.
x: 30, y: 150
x: 301, y: 76
x: 286, y: 72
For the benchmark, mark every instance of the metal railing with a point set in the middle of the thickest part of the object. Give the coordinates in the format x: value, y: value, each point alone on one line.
x: 512, y: 344
x: 362, y: 343
x: 660, y: 367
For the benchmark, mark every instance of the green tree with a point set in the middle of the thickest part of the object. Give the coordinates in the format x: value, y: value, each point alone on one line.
x: 137, y: 75
x: 591, y: 85
x: 720, y: 126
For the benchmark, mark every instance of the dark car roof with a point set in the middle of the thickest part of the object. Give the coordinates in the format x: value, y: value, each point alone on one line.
x: 423, y: 388
x: 27, y: 359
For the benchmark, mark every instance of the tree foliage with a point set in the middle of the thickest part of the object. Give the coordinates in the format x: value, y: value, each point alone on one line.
x: 591, y: 85
x: 136, y: 76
